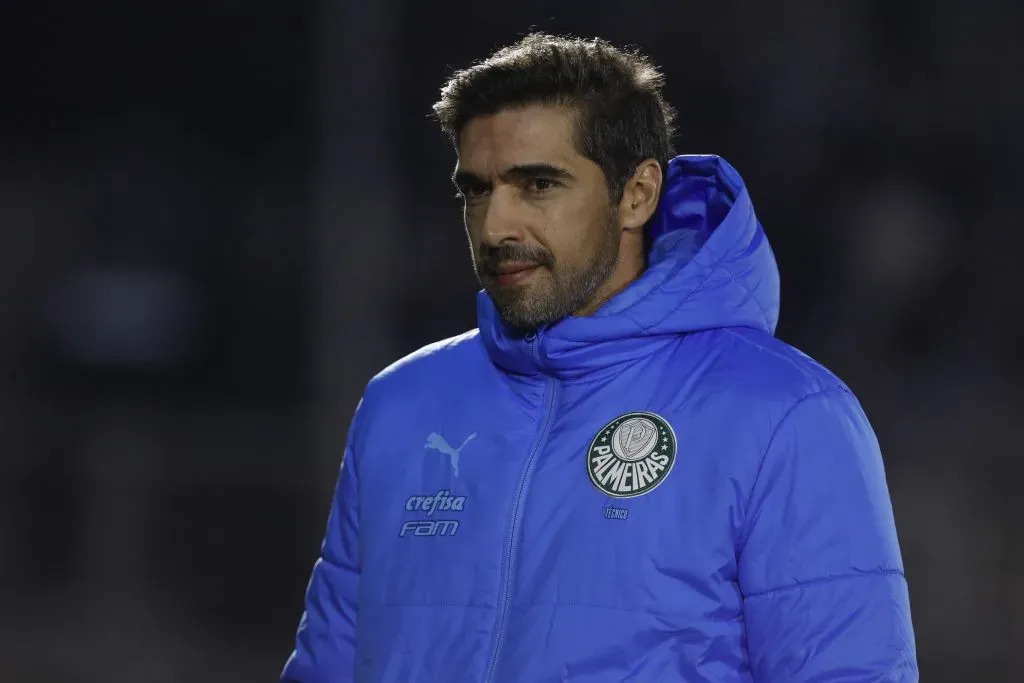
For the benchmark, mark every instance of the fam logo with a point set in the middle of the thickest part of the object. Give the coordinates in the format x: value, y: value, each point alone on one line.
x: 631, y: 455
x: 442, y: 501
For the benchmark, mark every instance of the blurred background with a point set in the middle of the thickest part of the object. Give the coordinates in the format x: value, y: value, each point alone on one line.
x: 219, y: 219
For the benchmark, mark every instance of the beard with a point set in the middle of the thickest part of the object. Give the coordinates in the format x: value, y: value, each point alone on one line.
x: 559, y: 288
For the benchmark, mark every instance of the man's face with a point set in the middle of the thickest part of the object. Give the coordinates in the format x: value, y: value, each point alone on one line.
x: 543, y: 232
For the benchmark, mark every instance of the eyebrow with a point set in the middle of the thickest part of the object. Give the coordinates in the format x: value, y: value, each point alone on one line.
x: 520, y: 172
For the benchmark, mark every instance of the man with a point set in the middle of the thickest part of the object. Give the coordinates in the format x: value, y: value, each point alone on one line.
x: 621, y: 475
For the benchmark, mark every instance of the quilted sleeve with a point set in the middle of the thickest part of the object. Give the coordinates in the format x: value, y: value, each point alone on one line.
x: 825, y: 598
x: 325, y: 643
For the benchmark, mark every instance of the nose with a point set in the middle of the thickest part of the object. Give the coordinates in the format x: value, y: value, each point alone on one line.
x: 501, y: 222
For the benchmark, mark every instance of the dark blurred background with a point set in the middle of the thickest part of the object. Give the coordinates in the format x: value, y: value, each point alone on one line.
x: 219, y: 219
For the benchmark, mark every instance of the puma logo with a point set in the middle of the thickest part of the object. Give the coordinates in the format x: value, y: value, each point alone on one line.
x: 437, y: 442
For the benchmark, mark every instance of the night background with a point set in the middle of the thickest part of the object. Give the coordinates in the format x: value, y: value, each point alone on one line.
x: 219, y: 219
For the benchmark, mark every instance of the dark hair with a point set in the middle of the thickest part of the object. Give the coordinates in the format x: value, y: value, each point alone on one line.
x: 622, y: 118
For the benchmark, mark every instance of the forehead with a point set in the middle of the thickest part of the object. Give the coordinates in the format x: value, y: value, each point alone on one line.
x: 524, y: 135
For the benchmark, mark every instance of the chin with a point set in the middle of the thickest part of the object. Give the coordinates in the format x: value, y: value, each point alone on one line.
x: 526, y: 319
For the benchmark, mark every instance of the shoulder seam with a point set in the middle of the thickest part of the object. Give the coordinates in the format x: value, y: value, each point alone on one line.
x: 764, y: 347
x: 825, y: 579
x: 426, y: 351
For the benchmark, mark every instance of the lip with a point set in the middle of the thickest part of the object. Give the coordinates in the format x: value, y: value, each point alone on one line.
x: 515, y: 273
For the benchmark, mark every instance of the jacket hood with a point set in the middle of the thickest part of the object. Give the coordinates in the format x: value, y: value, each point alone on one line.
x: 710, y: 266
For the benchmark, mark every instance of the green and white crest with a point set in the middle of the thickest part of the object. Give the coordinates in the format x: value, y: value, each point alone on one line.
x: 631, y: 455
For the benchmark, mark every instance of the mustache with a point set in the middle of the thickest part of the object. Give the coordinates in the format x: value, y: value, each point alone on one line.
x: 491, y: 258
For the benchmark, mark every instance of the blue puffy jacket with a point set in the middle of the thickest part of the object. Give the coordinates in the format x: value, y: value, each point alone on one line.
x: 659, y: 492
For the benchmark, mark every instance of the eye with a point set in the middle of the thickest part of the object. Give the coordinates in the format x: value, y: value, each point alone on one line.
x: 540, y: 185
x: 471, y: 192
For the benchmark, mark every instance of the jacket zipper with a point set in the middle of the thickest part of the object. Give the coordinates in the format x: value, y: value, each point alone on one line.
x: 506, y: 591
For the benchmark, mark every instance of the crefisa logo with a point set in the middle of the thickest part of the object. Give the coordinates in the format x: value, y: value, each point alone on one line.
x: 442, y: 501
x: 631, y: 455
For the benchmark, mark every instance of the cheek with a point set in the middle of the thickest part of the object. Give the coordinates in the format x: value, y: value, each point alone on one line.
x: 577, y: 232
x: 473, y: 220
x: 473, y: 230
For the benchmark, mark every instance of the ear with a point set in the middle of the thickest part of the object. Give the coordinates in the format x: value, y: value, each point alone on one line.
x: 640, y: 196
